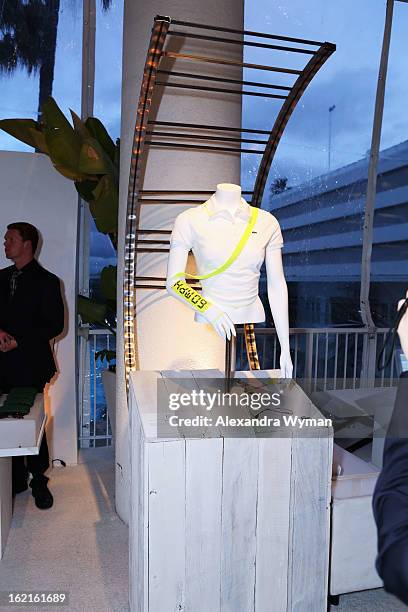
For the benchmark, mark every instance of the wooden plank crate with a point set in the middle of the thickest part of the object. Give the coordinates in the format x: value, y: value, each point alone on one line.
x: 229, y: 524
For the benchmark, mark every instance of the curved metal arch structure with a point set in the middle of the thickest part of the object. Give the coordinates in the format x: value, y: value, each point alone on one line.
x: 298, y: 89
x: 231, y: 139
x: 158, y: 37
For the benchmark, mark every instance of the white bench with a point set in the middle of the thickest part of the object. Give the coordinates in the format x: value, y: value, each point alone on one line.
x: 17, y: 437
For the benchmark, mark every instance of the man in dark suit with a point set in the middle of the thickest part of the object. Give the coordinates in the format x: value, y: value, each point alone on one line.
x: 31, y: 314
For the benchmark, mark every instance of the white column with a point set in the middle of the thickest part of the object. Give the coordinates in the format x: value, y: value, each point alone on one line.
x: 167, y: 336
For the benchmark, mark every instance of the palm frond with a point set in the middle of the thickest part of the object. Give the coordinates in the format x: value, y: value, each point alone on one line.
x: 21, y: 35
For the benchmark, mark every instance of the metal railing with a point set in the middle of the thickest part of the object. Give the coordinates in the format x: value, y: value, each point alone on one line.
x: 330, y: 358
x: 333, y: 358
x: 93, y: 419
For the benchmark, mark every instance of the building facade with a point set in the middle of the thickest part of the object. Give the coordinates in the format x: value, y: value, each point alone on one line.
x: 322, y: 223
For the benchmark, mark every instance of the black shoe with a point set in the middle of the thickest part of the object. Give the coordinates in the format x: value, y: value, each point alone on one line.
x: 41, y: 493
x: 19, y: 487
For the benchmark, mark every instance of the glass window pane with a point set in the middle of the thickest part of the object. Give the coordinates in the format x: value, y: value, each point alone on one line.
x: 20, y: 91
x: 317, y: 183
x: 108, y: 66
x: 107, y: 108
x: 390, y: 251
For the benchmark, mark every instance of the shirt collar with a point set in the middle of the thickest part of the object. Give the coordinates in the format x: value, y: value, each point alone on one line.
x: 243, y: 211
x: 29, y: 266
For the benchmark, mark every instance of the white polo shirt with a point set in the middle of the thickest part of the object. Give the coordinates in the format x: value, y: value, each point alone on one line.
x: 212, y: 235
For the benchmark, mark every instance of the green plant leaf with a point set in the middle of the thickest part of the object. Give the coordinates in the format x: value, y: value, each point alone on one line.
x: 108, y: 283
x: 99, y: 132
x: 64, y: 155
x: 105, y: 354
x: 85, y: 189
x: 93, y: 159
x: 27, y: 131
x: 39, y: 141
x: 53, y: 117
x: 79, y: 125
x: 63, y: 142
x: 104, y: 207
x: 112, y: 306
x: 91, y: 311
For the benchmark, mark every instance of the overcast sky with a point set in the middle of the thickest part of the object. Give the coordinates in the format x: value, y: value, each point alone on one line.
x: 348, y: 81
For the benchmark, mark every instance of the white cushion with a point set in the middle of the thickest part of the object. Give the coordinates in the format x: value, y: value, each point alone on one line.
x: 352, y: 477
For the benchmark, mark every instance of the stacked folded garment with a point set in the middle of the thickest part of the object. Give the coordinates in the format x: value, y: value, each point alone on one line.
x: 18, y: 402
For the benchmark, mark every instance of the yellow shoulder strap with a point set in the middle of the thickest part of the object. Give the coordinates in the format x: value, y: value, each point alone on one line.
x: 242, y: 242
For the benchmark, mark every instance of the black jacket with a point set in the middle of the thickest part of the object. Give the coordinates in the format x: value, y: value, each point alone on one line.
x: 390, y: 500
x: 33, y: 316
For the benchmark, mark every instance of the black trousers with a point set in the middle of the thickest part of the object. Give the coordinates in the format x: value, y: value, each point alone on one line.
x: 36, y: 464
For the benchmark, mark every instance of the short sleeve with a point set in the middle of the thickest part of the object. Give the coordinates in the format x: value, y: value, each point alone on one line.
x: 182, y: 232
x: 276, y: 239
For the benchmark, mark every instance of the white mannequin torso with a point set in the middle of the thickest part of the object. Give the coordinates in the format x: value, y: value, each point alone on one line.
x: 212, y: 231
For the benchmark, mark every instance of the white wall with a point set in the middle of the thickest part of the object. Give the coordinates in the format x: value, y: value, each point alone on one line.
x: 31, y: 190
x: 160, y: 335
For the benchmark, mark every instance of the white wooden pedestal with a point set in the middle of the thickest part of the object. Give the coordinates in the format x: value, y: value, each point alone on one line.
x: 226, y: 524
x: 17, y: 437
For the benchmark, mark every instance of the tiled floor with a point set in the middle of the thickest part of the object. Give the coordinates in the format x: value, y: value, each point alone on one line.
x: 79, y: 545
x: 376, y: 600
